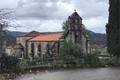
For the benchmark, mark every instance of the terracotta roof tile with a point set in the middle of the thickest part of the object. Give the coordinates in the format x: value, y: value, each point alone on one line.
x: 47, y: 37
x: 9, y: 47
x: 15, y: 46
x: 18, y: 46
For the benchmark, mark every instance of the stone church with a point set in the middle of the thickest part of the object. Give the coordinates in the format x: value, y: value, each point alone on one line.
x: 76, y: 32
x: 45, y: 47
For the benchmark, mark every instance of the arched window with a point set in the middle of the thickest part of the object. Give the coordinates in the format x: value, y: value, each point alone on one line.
x: 39, y: 50
x: 32, y: 49
x: 48, y: 48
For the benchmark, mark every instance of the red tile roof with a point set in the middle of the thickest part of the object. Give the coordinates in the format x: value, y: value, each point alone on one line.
x: 15, y: 46
x: 18, y: 46
x: 47, y: 37
x: 9, y: 47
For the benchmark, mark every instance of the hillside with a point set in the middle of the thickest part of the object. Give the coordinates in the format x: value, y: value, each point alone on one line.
x: 16, y: 33
x: 8, y: 38
x: 97, y: 38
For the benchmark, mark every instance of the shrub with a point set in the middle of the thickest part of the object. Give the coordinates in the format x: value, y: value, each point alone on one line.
x: 105, y: 62
x: 70, y: 54
x: 8, y: 63
x: 92, y: 59
x: 23, y: 64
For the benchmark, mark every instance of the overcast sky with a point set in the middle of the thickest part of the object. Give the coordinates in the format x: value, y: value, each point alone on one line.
x: 48, y: 15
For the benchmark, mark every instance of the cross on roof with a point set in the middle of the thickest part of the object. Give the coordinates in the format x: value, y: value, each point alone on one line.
x: 75, y: 10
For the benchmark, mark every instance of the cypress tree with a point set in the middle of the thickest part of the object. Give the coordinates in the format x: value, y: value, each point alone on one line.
x: 113, y: 28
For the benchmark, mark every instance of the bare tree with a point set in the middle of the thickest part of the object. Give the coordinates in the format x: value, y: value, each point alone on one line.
x: 4, y: 22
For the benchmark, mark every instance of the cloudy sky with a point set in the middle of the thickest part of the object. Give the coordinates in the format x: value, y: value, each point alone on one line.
x: 48, y: 15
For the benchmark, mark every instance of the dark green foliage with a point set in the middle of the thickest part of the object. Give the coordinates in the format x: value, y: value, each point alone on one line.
x: 65, y: 27
x: 8, y: 63
x: 70, y: 53
x: 97, y: 38
x: 113, y: 28
x: 23, y: 64
x: 8, y: 38
x: 105, y: 62
x: 92, y: 59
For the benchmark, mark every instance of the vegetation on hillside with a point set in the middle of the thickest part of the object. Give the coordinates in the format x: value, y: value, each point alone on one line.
x: 97, y: 38
x: 7, y: 38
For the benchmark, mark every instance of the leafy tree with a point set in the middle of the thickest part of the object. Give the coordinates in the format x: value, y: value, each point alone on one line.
x: 65, y: 27
x: 4, y: 23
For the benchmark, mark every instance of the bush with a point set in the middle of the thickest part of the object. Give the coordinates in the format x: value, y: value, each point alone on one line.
x: 70, y: 54
x: 8, y: 63
x: 23, y: 64
x: 92, y: 60
x: 105, y: 62
x: 115, y: 61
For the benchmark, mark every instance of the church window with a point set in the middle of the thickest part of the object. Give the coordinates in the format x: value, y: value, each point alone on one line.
x: 32, y: 49
x: 39, y: 47
x: 39, y: 50
x: 76, y: 21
